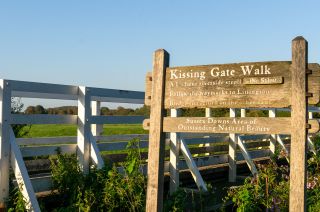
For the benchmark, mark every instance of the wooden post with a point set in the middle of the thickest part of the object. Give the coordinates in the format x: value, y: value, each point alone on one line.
x: 299, y: 123
x: 83, y: 137
x: 208, y: 114
x: 232, y: 152
x: 273, y: 140
x: 156, y: 152
x: 5, y: 111
x: 243, y: 112
x: 96, y: 129
x: 174, y: 156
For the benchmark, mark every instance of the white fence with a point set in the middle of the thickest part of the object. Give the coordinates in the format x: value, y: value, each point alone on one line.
x: 199, y: 150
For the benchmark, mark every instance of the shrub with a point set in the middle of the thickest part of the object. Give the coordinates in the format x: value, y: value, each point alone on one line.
x: 101, y: 190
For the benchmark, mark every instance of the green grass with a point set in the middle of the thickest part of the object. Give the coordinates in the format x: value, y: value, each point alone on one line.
x: 54, y: 130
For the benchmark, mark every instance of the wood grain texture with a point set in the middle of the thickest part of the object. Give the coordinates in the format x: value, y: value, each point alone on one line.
x: 147, y: 98
x: 297, y: 197
x: 265, y: 90
x: 262, y: 125
x: 156, y: 135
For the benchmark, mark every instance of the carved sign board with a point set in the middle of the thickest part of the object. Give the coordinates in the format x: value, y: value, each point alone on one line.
x: 263, y: 84
x: 245, y: 125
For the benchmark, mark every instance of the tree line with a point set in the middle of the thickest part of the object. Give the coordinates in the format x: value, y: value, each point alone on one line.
x: 73, y: 110
x: 145, y: 111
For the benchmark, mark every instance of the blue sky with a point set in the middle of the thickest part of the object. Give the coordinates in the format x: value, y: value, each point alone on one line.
x: 110, y: 44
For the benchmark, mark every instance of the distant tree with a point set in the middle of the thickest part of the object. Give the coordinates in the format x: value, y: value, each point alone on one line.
x: 121, y: 111
x: 143, y: 111
x: 18, y: 129
x: 39, y: 109
x: 30, y: 110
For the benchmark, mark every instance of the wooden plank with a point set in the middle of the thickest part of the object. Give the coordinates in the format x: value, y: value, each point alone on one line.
x: 254, y: 137
x: 297, y: 196
x: 43, y: 119
x: 220, y: 159
x: 116, y: 146
x: 313, y: 83
x: 207, y: 139
x: 22, y: 177
x: 221, y: 86
x: 116, y: 119
x: 192, y: 166
x: 47, y: 140
x: 247, y: 157
x: 40, y: 95
x: 106, y: 95
x: 147, y: 97
x: 95, y: 153
x: 128, y: 137
x: 5, y: 110
x: 115, y: 95
x: 133, y: 100
x: 186, y: 86
x: 174, y: 156
x: 36, y: 87
x: 83, y: 129
x: 233, y: 140
x: 311, y: 146
x: 273, y: 141
x: 34, y: 151
x: 284, y: 148
x: 247, y: 125
x: 157, y: 136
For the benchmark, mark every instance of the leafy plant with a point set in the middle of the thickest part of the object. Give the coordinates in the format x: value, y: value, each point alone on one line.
x: 101, y: 190
x: 269, y: 189
x: 185, y: 199
x: 16, y: 201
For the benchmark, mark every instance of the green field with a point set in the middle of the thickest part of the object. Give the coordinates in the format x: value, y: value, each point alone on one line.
x: 54, y: 130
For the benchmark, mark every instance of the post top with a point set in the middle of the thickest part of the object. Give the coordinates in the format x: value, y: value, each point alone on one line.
x: 161, y: 50
x: 298, y: 38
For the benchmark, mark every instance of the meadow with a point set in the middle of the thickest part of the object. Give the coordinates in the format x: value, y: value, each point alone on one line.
x: 54, y: 130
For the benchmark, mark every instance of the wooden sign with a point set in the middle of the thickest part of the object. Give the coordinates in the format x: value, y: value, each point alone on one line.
x: 242, y: 85
x: 247, y: 125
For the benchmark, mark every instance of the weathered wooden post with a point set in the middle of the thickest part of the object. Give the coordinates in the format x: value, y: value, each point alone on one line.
x: 298, y: 125
x: 83, y: 131
x: 5, y: 110
x: 156, y: 135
